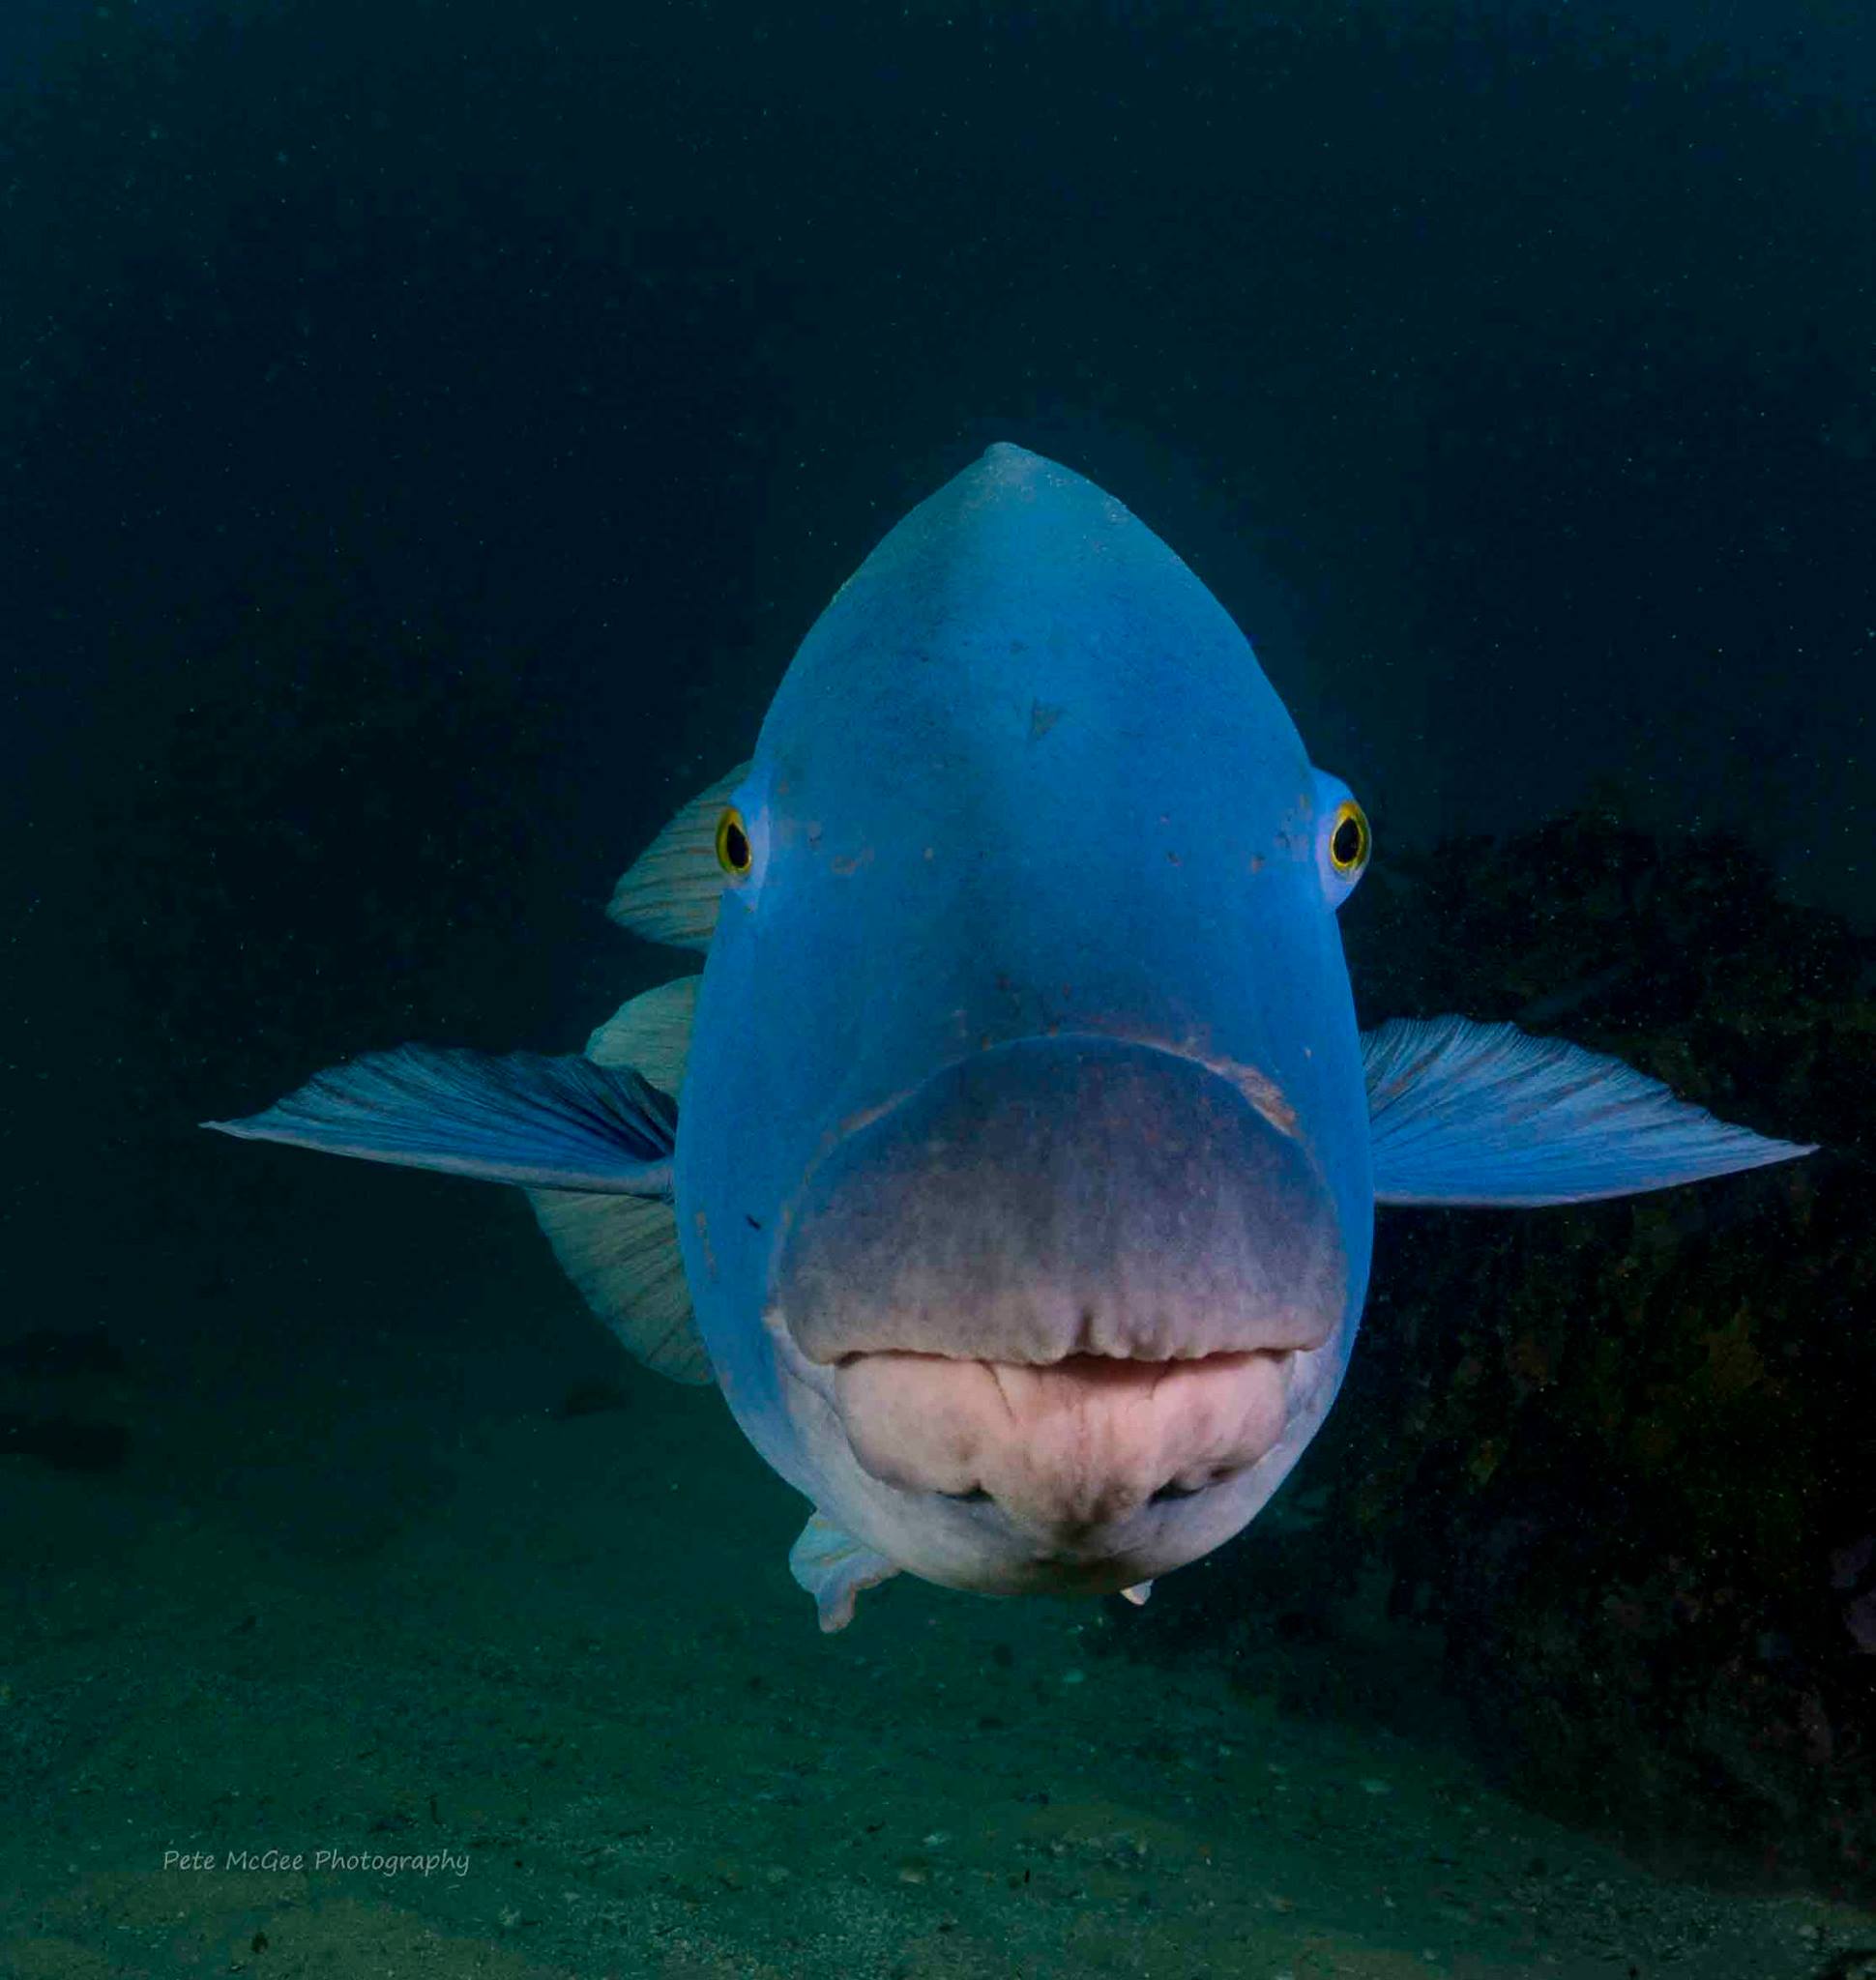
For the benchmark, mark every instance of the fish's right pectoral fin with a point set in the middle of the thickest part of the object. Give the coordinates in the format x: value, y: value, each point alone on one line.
x: 622, y: 1251
x: 834, y: 1568
x: 520, y: 1118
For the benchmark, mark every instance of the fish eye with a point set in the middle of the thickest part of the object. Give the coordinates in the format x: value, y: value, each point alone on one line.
x: 733, y: 854
x: 1340, y: 840
x: 1349, y: 839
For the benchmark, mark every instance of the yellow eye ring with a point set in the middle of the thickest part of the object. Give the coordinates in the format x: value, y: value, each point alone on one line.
x: 733, y: 852
x: 1349, y: 838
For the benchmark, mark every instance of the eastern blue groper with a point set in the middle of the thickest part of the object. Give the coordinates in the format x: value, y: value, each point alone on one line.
x: 1012, y: 1165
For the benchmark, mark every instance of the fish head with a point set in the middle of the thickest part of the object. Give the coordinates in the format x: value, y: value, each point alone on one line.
x: 1022, y: 1174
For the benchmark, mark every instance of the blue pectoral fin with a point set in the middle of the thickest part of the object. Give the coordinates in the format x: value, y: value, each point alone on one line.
x: 1465, y: 1113
x: 550, y: 1124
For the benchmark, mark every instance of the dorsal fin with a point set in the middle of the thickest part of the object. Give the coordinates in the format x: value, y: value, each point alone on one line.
x: 670, y: 893
x: 622, y: 1252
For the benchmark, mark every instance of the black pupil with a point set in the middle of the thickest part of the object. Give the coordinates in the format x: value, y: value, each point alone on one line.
x: 1346, y: 845
x: 736, y: 847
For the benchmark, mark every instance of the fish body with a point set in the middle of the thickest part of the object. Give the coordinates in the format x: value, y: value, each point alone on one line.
x: 1036, y: 878
x: 1019, y: 1143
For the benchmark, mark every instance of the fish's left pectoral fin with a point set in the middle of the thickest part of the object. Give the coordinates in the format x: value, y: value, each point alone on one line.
x: 835, y: 1567
x: 1464, y: 1112
x: 522, y: 1118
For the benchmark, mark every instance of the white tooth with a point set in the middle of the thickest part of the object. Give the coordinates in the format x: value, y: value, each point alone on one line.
x: 1138, y: 1593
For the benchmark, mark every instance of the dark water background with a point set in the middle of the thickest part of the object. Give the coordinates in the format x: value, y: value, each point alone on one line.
x: 426, y: 430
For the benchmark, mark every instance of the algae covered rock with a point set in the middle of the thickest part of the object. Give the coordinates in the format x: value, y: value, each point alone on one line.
x: 1626, y: 1455
x: 1619, y: 1460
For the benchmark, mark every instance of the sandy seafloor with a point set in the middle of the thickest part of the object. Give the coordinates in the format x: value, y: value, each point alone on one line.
x: 315, y: 1611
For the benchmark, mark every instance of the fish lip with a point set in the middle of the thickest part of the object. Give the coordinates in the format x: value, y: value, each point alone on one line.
x: 1082, y: 1467
x: 820, y: 1376
x: 1265, y: 1097
x: 1265, y: 1100
x: 984, y: 1546
x: 817, y: 1377
x: 822, y: 1380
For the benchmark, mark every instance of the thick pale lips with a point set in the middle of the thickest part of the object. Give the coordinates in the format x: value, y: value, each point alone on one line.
x: 1068, y: 1272
x: 1065, y: 1445
x: 1060, y: 1197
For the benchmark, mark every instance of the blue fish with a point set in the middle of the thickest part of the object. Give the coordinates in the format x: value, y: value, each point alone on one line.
x: 1012, y: 1165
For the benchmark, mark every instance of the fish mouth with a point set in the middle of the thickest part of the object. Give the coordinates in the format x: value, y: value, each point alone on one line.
x: 1076, y: 1195
x: 1065, y: 1450
x: 1084, y: 1475
x: 1071, y: 1275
